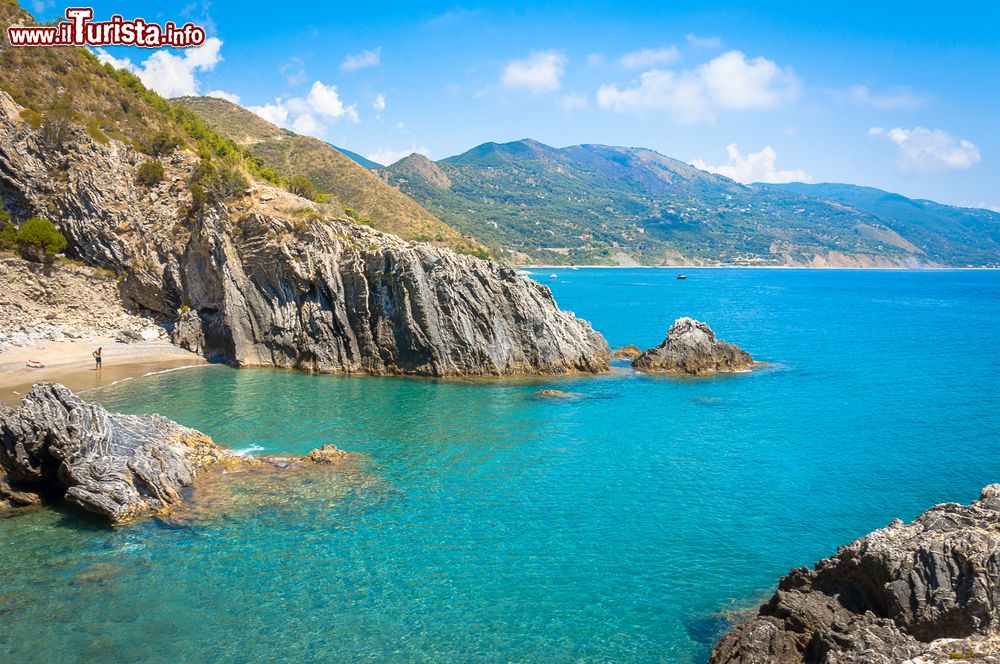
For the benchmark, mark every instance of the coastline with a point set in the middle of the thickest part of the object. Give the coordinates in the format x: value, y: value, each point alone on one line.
x: 70, y: 363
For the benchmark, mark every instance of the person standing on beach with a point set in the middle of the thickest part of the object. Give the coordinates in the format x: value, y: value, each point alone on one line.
x: 97, y: 358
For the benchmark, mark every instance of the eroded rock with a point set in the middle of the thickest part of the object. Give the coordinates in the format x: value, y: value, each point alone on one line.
x: 691, y: 348
x: 121, y: 467
x: 927, y: 592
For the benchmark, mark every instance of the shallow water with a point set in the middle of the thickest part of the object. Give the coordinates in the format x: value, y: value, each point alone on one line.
x: 484, y: 524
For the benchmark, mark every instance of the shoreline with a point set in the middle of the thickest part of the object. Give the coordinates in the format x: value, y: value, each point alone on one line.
x: 70, y: 363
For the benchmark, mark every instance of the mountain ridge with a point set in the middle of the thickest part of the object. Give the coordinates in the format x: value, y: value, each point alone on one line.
x: 594, y: 203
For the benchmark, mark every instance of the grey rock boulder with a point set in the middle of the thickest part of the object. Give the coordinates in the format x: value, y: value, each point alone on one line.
x: 692, y: 348
x: 121, y: 467
x: 927, y: 592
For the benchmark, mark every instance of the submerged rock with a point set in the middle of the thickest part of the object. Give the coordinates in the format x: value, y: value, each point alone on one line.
x: 927, y: 592
x: 691, y: 348
x: 555, y: 394
x: 121, y: 467
x: 629, y: 352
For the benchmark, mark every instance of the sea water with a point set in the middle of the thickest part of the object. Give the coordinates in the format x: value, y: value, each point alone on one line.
x: 629, y: 523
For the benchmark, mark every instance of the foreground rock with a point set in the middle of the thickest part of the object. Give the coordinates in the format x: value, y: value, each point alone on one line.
x: 274, y: 280
x: 927, y: 592
x: 691, y: 348
x: 55, y: 447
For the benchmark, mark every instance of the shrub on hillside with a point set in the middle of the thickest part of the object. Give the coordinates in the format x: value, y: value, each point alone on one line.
x: 149, y: 173
x: 58, y: 121
x: 217, y: 183
x: 162, y: 143
x: 39, y: 240
x: 301, y: 186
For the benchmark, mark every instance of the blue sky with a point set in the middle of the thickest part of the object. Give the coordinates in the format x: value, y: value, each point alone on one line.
x: 901, y: 96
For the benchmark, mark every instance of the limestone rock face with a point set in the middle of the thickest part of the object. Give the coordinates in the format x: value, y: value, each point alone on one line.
x: 257, y: 284
x: 927, y: 592
x: 121, y: 467
x: 691, y: 348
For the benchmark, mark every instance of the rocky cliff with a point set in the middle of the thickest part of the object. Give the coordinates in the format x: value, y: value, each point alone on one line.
x: 691, y: 348
x: 927, y: 592
x: 271, y: 280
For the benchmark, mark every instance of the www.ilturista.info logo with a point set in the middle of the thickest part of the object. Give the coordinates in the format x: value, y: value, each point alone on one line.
x: 80, y: 30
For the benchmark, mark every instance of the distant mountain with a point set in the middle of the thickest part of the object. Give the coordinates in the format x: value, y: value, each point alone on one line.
x: 334, y: 172
x: 959, y: 235
x: 363, y: 161
x: 602, y: 204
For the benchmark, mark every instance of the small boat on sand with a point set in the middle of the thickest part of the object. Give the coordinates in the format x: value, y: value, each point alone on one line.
x: 35, y: 364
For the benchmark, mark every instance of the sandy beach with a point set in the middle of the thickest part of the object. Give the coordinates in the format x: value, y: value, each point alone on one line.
x: 70, y: 363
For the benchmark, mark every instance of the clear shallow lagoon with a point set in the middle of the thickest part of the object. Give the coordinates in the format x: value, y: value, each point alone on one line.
x: 486, y: 525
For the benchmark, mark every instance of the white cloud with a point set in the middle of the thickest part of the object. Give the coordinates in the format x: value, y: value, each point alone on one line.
x: 324, y: 100
x: 649, y: 57
x: 754, y: 167
x: 307, y: 115
x: 540, y: 71
x: 703, y: 42
x: 169, y: 74
x: 307, y: 125
x: 896, y: 98
x: 574, y: 101
x: 379, y: 103
x: 370, y: 58
x: 222, y: 94
x: 387, y: 156
x: 276, y: 113
x: 727, y: 82
x: 923, y: 150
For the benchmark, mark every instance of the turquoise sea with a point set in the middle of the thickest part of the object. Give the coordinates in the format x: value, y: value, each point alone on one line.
x: 482, y: 524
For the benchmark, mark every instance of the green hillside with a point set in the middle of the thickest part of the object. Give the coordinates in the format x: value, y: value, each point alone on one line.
x: 959, y: 236
x: 601, y: 204
x: 365, y: 196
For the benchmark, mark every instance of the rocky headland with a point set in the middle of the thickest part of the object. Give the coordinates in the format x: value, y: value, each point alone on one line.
x: 691, y: 348
x: 56, y: 447
x: 271, y: 279
x: 927, y: 592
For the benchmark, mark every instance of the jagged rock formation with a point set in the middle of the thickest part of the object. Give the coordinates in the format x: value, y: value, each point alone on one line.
x: 270, y: 281
x: 691, y: 348
x: 927, y: 592
x: 121, y: 467
x: 55, y: 447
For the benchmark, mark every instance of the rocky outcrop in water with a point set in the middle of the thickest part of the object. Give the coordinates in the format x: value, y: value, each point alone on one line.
x: 927, y: 592
x: 629, y: 352
x: 691, y: 348
x: 122, y: 467
x: 56, y: 447
x: 273, y: 280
